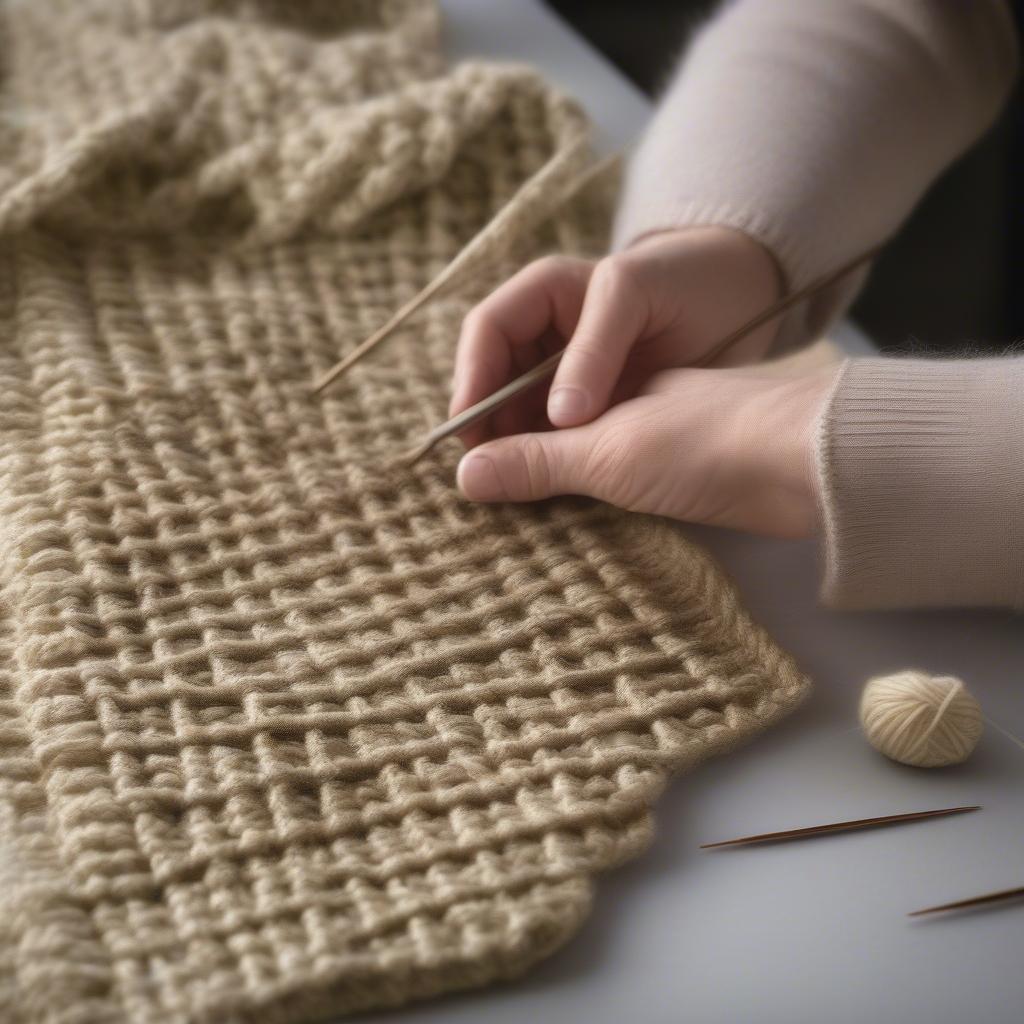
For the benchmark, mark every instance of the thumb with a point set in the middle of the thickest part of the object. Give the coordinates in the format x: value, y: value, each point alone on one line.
x: 613, y: 316
x: 527, y: 467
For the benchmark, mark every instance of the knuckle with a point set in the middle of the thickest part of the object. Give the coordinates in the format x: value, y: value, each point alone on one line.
x: 557, y: 266
x: 589, y: 351
x: 476, y: 319
x: 609, y: 467
x: 553, y: 263
x: 614, y: 274
x: 536, y: 467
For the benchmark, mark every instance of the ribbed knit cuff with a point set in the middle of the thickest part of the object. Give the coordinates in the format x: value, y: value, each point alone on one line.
x: 921, y: 469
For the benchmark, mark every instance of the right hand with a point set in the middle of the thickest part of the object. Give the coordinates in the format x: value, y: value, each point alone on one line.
x: 658, y: 305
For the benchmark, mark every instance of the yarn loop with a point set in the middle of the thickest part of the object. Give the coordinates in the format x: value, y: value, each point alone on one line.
x: 919, y: 719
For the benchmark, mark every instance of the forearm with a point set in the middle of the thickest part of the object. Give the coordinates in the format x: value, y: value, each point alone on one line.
x: 921, y: 472
x: 814, y: 126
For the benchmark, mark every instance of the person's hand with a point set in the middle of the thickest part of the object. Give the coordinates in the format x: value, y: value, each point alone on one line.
x: 729, y: 447
x: 662, y: 303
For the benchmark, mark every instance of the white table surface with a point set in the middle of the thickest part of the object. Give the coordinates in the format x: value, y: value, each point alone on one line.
x: 793, y: 932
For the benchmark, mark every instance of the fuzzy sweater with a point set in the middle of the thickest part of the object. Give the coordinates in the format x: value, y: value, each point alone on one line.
x: 814, y: 126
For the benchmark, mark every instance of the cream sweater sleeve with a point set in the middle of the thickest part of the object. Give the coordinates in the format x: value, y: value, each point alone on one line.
x: 922, y: 479
x: 815, y: 125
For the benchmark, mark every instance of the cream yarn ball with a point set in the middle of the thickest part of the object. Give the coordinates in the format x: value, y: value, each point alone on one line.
x: 919, y: 719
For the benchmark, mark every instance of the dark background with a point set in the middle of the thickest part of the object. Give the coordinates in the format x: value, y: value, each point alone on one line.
x: 954, y: 276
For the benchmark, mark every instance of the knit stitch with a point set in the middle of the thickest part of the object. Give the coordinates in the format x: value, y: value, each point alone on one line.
x: 287, y: 730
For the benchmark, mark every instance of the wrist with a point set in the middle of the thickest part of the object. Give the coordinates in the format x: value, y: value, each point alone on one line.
x: 782, y: 439
x: 811, y: 396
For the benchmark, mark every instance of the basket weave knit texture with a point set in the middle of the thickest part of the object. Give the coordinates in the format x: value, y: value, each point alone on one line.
x: 287, y: 731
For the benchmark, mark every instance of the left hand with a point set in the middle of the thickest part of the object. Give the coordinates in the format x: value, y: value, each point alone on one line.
x: 728, y: 447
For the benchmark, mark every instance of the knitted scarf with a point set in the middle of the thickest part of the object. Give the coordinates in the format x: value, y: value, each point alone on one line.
x: 287, y: 729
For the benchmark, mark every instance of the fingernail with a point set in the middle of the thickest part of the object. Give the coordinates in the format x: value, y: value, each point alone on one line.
x: 567, y: 404
x: 478, y: 479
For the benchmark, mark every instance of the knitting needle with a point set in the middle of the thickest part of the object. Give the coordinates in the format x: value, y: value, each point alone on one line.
x: 493, y: 402
x: 974, y: 901
x: 841, y: 826
x: 490, y: 234
x: 475, y: 413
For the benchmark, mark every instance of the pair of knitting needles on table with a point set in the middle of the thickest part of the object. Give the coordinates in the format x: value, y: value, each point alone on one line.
x: 890, y: 819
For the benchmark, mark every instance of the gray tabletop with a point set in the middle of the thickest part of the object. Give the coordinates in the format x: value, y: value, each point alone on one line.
x: 802, y: 931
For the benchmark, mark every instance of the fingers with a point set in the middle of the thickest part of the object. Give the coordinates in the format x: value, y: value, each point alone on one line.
x: 677, y: 292
x: 613, y: 317
x: 501, y: 337
x: 527, y: 467
x: 729, y: 448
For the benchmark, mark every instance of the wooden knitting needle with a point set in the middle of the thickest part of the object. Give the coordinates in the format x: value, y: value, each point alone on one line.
x: 492, y: 403
x: 841, y: 826
x: 485, y: 407
x: 488, y: 235
x: 974, y: 901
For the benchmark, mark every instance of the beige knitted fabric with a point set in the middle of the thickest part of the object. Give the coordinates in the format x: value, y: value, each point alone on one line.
x: 287, y: 730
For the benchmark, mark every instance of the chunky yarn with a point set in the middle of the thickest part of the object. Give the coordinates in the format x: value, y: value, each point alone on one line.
x: 919, y: 719
x: 288, y: 731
